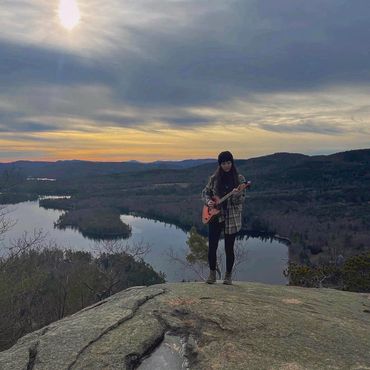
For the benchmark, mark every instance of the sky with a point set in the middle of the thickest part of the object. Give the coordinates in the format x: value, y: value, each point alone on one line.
x: 119, y: 80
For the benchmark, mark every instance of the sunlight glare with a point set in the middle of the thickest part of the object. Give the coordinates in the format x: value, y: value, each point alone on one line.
x: 69, y: 14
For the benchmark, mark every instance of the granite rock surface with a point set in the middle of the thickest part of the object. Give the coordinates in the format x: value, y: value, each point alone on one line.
x: 200, y: 326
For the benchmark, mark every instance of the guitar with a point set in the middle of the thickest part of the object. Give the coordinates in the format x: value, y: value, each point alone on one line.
x: 209, y: 213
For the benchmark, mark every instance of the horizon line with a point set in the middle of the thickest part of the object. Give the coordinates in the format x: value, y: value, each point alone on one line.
x: 176, y: 160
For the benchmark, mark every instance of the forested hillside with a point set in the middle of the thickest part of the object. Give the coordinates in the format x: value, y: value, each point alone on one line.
x: 321, y: 203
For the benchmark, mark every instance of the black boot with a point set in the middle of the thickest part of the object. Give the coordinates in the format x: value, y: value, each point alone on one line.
x: 212, y: 277
x: 227, y: 279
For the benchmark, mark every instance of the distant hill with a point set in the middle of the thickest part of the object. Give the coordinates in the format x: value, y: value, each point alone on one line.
x: 77, y: 168
x: 293, y: 170
x: 281, y: 167
x: 279, y: 170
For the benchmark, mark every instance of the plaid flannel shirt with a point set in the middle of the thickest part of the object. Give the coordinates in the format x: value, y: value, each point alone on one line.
x: 233, y: 213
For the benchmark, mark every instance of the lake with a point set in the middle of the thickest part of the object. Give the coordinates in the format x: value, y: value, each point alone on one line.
x: 265, y: 262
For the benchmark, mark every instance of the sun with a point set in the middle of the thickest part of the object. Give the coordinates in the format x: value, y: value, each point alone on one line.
x: 69, y: 14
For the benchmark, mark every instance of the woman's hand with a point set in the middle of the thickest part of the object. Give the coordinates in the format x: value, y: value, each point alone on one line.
x: 235, y: 191
x: 211, y: 204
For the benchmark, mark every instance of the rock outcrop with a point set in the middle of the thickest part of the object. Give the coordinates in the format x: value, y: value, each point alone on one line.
x: 200, y: 326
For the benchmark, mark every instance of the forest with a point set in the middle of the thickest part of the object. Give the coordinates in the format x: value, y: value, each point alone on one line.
x: 41, y: 283
x: 321, y: 204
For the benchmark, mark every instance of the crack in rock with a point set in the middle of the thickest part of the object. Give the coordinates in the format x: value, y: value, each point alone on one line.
x: 136, y: 306
x: 44, y: 331
x: 133, y: 360
x: 92, y: 306
x: 184, y: 332
x: 161, y: 320
x: 32, y: 353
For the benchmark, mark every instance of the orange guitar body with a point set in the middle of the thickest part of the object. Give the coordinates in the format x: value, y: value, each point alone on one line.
x: 208, y: 214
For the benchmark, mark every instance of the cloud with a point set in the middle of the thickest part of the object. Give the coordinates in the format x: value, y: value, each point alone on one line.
x: 276, y: 65
x: 21, y: 154
x: 191, y: 52
x: 308, y: 126
x: 241, y: 48
x: 28, y: 127
x: 186, y: 121
x: 26, y: 65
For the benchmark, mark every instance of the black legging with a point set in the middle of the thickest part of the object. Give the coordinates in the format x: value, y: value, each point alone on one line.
x: 215, y: 229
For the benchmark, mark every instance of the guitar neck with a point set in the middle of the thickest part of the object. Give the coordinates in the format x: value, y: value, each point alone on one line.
x: 227, y: 196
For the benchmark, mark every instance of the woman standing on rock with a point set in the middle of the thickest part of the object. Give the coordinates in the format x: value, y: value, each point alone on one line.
x: 226, y: 179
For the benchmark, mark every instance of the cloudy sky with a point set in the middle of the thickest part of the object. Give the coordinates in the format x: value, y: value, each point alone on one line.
x: 116, y: 80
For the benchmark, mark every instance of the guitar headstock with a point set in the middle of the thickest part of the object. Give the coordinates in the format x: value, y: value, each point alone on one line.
x: 244, y: 185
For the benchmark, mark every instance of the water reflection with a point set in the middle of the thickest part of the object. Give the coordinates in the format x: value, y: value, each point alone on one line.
x: 266, y: 258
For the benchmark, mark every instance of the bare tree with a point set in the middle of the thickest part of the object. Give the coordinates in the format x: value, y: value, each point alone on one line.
x: 198, y: 267
x: 6, y: 222
x: 199, y: 264
x: 34, y: 240
x: 104, y: 248
x: 9, y: 178
x: 138, y: 250
x: 241, y: 255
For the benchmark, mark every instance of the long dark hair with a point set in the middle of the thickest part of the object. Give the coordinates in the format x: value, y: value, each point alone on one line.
x: 219, y: 177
